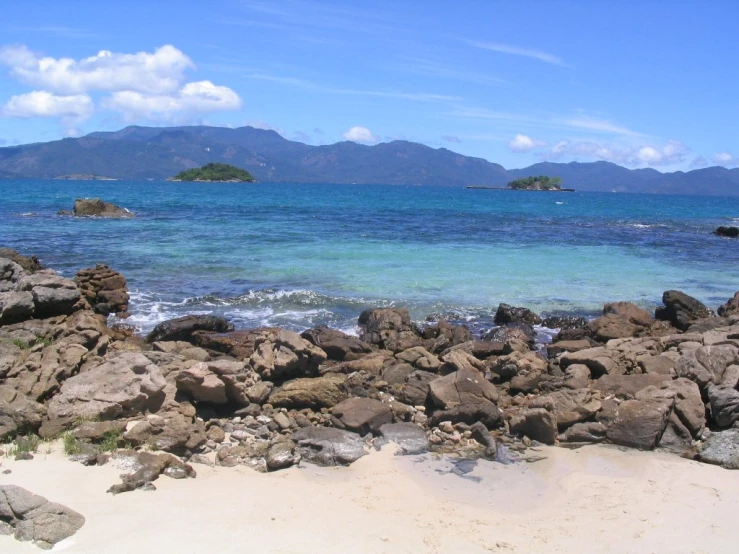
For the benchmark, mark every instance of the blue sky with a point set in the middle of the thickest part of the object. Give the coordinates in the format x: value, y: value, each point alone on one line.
x: 642, y: 84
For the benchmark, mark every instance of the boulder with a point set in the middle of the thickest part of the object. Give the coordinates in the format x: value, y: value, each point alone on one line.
x: 510, y: 314
x: 29, y: 264
x: 465, y: 386
x: 555, y: 348
x: 16, y: 306
x: 681, y: 310
x: 409, y: 438
x: 281, y: 455
x: 171, y: 432
x: 627, y: 386
x: 18, y: 414
x: 201, y: 384
x: 573, y: 406
x: 281, y: 354
x: 362, y: 415
x: 600, y: 360
x: 415, y: 391
x: 89, y: 207
x: 480, y: 433
x: 104, y: 289
x: 661, y: 365
x: 326, y: 446
x: 564, y: 322
x: 125, y: 384
x: 577, y: 376
x: 444, y: 335
x: 513, y: 331
x: 420, y: 358
x: 389, y: 329
x: 707, y: 364
x: 591, y: 431
x: 34, y: 518
x: 538, y: 424
x: 620, y: 320
x: 731, y: 307
x: 689, y: 405
x: 337, y: 345
x: 722, y: 449
x: 52, y: 294
x: 237, y: 344
x: 639, y: 423
x: 10, y: 274
x: 183, y: 328
x: 724, y: 231
x: 485, y: 412
x: 724, y: 402
x: 320, y: 392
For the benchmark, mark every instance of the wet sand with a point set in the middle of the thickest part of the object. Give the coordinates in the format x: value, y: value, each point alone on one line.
x: 593, y: 499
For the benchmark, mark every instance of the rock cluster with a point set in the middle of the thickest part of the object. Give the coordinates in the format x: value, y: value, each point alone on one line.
x: 269, y: 398
x: 95, y: 207
x: 104, y: 289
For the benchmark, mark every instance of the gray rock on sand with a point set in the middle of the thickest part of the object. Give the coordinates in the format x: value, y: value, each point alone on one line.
x: 326, y: 446
x: 34, y: 518
x: 722, y: 449
x: 409, y: 438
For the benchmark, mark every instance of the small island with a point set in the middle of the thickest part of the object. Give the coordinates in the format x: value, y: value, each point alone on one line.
x: 215, y: 172
x: 539, y: 183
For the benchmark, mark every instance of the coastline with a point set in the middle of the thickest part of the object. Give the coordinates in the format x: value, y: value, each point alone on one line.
x: 594, y: 499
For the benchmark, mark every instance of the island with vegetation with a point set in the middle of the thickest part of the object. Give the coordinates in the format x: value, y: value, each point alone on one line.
x: 215, y: 172
x: 539, y: 182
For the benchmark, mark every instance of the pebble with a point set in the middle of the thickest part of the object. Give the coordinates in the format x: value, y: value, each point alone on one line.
x: 446, y: 427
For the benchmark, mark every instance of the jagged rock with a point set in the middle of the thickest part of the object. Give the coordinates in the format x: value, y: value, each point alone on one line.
x: 564, y: 322
x: 722, y: 449
x: 620, y: 320
x: 600, y: 360
x: 87, y: 207
x: 362, y: 415
x: 420, y: 358
x: 639, y: 423
x: 731, y: 307
x: 237, y: 344
x: 326, y: 446
x: 96, y: 430
x: 724, y: 401
x: 389, y: 328
x: 485, y: 412
x: 104, y: 289
x: 627, y: 386
x: 202, y: 384
x: 52, y: 294
x: 459, y: 360
x: 409, y: 438
x: 281, y: 455
x: 591, y: 431
x: 510, y: 314
x: 373, y: 364
x: 337, y: 345
x: 661, y: 365
x: 18, y: 414
x: 415, y: 391
x: 183, y: 328
x: 10, y: 274
x: 29, y: 264
x: 577, y: 376
x: 150, y: 467
x: 676, y: 437
x: 538, y: 424
x: 320, y: 392
x: 444, y: 335
x: 281, y: 354
x: 465, y: 386
x: 573, y: 406
x: 513, y: 331
x: 170, y: 432
x: 707, y: 364
x: 34, y: 518
x: 688, y: 404
x: 126, y: 384
x: 681, y: 310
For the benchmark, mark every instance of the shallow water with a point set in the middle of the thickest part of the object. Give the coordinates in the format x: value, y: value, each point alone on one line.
x: 297, y: 255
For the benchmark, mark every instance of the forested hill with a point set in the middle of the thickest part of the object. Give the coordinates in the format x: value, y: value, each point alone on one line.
x: 161, y: 152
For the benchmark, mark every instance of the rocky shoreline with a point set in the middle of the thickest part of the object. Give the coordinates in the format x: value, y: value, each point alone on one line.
x: 195, y: 390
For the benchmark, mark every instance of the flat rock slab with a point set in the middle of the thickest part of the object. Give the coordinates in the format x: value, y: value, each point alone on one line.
x: 409, y: 438
x: 34, y: 518
x: 326, y: 446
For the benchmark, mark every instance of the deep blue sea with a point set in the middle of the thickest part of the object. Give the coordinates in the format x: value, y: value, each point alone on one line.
x: 301, y: 255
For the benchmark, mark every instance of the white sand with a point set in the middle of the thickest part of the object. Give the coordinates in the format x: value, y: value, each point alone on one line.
x: 595, y: 499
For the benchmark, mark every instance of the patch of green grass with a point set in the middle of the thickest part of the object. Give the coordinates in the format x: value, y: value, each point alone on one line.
x: 110, y: 441
x: 23, y: 345
x: 72, y: 445
x: 46, y: 341
x: 22, y: 444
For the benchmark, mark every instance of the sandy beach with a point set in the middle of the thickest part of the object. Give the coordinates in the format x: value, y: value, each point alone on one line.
x: 592, y: 499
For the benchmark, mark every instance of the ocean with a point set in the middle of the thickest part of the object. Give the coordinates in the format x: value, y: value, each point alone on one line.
x: 301, y: 255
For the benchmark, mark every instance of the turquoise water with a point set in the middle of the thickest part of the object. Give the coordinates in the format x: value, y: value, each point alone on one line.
x: 300, y: 255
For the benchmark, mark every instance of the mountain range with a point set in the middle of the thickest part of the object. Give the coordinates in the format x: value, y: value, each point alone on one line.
x: 160, y: 152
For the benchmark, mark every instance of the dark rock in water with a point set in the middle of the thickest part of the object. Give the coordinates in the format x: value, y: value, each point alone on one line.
x: 96, y: 207
x: 337, y: 345
x: 485, y: 412
x: 389, y: 328
x: 104, y: 289
x: 722, y: 449
x: 326, y: 446
x: 731, y: 307
x: 510, y: 314
x: 409, y: 438
x: 537, y: 423
x: 564, y: 322
x: 510, y: 331
x: 362, y: 415
x: 722, y: 231
x: 681, y: 310
x: 183, y: 328
x: 30, y: 264
x: 34, y: 518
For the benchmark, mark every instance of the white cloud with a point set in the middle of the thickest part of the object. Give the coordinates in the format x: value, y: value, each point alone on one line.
x: 524, y: 143
x: 672, y: 153
x: 593, y: 124
x: 360, y: 134
x: 199, y: 97
x: 161, y: 71
x: 40, y: 103
x: 725, y: 159
x: 518, y: 51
